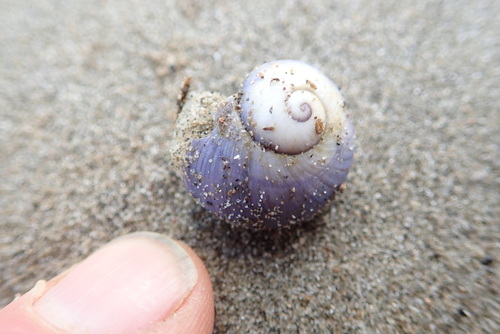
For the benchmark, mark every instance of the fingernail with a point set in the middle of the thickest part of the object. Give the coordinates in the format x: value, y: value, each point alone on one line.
x: 130, y: 283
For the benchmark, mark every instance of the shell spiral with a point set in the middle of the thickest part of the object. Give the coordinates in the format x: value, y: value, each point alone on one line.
x: 272, y: 155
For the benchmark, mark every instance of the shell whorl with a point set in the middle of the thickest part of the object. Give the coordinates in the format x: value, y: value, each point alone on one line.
x: 287, y: 104
x: 254, y: 179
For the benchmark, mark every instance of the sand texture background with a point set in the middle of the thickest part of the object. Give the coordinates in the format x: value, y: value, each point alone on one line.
x: 87, y: 107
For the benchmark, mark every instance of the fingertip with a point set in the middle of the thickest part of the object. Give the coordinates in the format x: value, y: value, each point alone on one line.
x: 197, y: 313
x: 140, y: 283
x: 18, y: 317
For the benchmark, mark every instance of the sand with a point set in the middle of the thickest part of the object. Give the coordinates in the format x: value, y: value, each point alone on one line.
x: 88, y: 95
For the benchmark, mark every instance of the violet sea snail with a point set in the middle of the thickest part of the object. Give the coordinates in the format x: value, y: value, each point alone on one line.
x: 273, y: 154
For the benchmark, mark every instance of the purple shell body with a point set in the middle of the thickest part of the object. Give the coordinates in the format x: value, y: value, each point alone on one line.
x: 249, y: 184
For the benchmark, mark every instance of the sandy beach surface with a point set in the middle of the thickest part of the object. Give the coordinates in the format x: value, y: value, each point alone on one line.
x: 88, y: 95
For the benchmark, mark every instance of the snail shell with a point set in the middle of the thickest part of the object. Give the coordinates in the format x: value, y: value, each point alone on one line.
x: 271, y: 155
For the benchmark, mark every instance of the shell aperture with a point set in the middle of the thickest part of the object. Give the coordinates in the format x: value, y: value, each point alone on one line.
x: 274, y: 154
